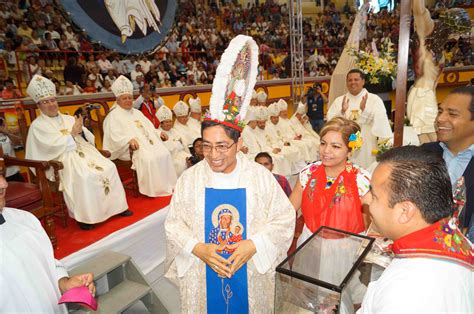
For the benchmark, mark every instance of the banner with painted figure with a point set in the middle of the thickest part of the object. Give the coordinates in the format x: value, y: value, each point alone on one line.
x: 225, y: 223
x: 126, y: 26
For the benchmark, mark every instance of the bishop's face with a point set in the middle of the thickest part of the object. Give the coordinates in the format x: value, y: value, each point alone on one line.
x: 49, y: 106
x: 125, y: 101
x: 166, y: 125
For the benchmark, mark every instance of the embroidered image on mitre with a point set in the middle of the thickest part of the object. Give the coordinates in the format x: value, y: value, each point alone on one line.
x: 273, y: 110
x: 282, y: 105
x: 261, y: 114
x: 262, y: 96
x: 195, y: 104
x: 181, y: 109
x: 164, y: 113
x: 122, y: 86
x: 301, y: 109
x: 40, y: 88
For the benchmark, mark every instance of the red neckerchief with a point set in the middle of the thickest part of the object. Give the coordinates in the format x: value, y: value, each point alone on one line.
x: 442, y: 240
x: 338, y: 207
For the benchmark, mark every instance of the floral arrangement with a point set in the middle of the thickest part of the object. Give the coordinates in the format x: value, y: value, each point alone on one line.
x: 382, y: 147
x: 355, y: 141
x: 377, y: 67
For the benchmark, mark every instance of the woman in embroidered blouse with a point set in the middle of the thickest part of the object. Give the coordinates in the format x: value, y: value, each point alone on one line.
x: 329, y: 191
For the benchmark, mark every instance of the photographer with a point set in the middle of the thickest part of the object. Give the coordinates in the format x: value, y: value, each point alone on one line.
x: 8, y: 141
x: 315, y: 99
x: 196, y: 152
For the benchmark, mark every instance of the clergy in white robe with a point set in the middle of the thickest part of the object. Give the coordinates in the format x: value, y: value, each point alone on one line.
x: 270, y: 226
x: 90, y: 182
x: 31, y: 280
x: 181, y: 125
x: 194, y: 121
x: 127, y: 128
x: 262, y: 98
x: 368, y: 111
x: 174, y: 143
x: 281, y: 164
x: 253, y: 100
x: 433, y: 266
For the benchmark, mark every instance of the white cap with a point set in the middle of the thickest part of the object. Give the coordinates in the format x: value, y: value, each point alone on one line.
x: 164, y: 113
x: 122, y: 86
x: 301, y: 109
x: 274, y: 110
x: 41, y: 88
x: 282, y: 105
x: 195, y: 104
x: 261, y: 113
x: 261, y: 96
x: 254, y: 94
x: 251, y: 114
x: 181, y: 109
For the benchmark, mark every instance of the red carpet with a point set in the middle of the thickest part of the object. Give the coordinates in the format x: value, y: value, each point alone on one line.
x: 72, y: 238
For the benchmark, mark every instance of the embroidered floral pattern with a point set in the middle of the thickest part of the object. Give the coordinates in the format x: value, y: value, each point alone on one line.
x: 451, y: 239
x: 139, y: 125
x: 106, y: 185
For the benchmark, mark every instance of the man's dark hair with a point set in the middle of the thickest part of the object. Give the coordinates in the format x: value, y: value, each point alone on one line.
x: 421, y: 177
x: 199, y: 139
x: 468, y: 91
x: 362, y: 75
x: 264, y: 155
x: 232, y: 133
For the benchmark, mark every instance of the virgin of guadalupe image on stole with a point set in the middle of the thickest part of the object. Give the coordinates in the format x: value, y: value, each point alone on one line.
x: 225, y: 223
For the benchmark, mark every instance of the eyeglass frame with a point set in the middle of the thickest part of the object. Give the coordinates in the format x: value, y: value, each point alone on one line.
x: 220, y: 148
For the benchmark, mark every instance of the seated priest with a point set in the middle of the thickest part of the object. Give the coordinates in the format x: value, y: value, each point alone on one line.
x: 174, y: 143
x: 181, y: 124
x: 125, y: 129
x: 194, y: 121
x: 90, y: 183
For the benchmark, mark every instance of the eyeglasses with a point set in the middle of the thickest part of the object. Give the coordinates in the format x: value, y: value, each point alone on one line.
x: 220, y: 148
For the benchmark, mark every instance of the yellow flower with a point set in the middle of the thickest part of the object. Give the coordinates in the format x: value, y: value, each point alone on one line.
x: 375, y: 152
x: 447, y: 240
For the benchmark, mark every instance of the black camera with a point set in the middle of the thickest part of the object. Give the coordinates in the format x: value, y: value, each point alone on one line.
x: 194, y: 160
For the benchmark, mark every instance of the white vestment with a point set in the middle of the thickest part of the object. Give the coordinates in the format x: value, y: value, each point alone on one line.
x: 270, y: 225
x: 30, y: 274
x: 307, y: 134
x: 294, y: 152
x: 422, y: 109
x: 152, y: 160
x: 309, y: 150
x: 195, y: 127
x: 373, y: 122
x: 421, y: 285
x: 281, y: 165
x: 90, y: 182
x: 175, y: 146
x: 186, y: 133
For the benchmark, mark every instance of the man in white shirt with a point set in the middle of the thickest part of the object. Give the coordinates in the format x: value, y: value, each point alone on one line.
x: 90, y: 182
x: 104, y: 65
x: 410, y: 202
x: 127, y: 128
x: 368, y: 111
x: 31, y: 280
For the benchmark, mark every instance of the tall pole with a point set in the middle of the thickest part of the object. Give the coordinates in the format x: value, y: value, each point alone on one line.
x: 401, y: 91
x: 296, y: 50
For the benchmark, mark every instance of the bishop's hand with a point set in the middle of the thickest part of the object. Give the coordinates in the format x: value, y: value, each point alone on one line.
x: 77, y: 127
x: 244, y: 250
x: 207, y: 252
x: 133, y: 144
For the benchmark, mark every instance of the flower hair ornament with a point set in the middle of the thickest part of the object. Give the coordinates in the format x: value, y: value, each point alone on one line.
x: 233, y: 84
x: 355, y: 141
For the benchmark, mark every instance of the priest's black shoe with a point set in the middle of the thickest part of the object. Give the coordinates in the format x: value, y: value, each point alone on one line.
x: 126, y: 213
x: 85, y: 226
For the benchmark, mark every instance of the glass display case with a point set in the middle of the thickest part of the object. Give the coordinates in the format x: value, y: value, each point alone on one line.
x: 321, y: 276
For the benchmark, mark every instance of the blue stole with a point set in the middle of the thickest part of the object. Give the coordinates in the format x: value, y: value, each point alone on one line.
x: 225, y: 221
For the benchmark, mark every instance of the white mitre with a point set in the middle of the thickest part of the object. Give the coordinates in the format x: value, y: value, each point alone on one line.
x: 251, y: 114
x: 164, y: 113
x: 195, y: 105
x: 282, y: 105
x: 181, y: 109
x: 254, y: 94
x: 122, y: 86
x: 301, y: 109
x: 274, y: 110
x: 261, y: 96
x: 41, y: 88
x: 261, y: 114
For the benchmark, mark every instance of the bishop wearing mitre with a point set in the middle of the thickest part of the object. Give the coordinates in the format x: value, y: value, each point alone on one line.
x: 90, y: 183
x: 125, y: 129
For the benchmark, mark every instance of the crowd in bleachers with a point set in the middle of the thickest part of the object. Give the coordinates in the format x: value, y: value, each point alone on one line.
x: 37, y: 38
